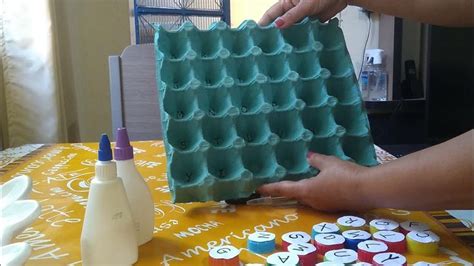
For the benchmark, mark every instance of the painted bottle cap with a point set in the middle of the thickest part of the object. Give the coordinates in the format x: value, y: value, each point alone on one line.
x: 367, y: 250
x: 394, y: 240
x: 327, y: 242
x: 354, y: 237
x: 423, y: 243
x: 329, y: 263
x: 324, y: 228
x: 424, y: 263
x: 350, y: 223
x: 383, y: 225
x: 345, y: 256
x: 224, y: 256
x: 306, y: 252
x: 123, y: 150
x: 409, y: 226
x: 261, y: 242
x: 293, y: 238
x: 283, y: 259
x: 104, y: 152
x: 389, y: 258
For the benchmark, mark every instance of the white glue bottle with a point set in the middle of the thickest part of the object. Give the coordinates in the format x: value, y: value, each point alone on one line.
x: 137, y: 190
x: 108, y: 235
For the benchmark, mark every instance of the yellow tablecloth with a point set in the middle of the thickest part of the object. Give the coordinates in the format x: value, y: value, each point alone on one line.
x: 183, y: 232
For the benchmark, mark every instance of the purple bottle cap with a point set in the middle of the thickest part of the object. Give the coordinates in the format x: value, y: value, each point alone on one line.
x: 123, y: 150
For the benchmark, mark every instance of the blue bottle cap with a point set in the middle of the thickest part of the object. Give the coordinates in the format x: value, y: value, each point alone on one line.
x: 261, y: 242
x: 105, y: 152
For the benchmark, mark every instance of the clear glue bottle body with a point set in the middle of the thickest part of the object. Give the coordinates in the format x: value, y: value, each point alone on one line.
x: 108, y: 234
x: 137, y: 190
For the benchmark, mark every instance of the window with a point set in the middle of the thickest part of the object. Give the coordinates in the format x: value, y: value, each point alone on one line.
x: 172, y: 13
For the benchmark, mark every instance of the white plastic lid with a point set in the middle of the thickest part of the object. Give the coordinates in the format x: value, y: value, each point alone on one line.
x: 301, y: 249
x: 341, y: 255
x: 390, y: 258
x: 329, y: 239
x: 389, y: 236
x: 351, y: 221
x: 384, y: 224
x: 296, y: 237
x: 356, y: 235
x: 414, y: 226
x: 374, y: 56
x: 224, y: 252
x: 372, y: 246
x: 283, y: 258
x: 262, y: 237
x: 423, y: 237
x: 424, y: 263
x: 325, y: 228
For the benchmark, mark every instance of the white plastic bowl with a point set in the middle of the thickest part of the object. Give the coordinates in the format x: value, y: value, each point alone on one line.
x: 14, y: 254
x: 16, y: 217
x: 18, y: 188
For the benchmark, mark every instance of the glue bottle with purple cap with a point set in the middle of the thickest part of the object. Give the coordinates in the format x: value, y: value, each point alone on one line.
x: 108, y: 233
x: 137, y: 190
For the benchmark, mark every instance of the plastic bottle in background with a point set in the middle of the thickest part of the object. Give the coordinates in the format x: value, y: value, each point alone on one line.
x: 380, y: 88
x: 137, y: 190
x: 364, y: 82
x: 374, y: 78
x: 108, y: 234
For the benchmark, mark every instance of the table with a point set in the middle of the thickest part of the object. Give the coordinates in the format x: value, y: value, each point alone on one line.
x: 183, y: 232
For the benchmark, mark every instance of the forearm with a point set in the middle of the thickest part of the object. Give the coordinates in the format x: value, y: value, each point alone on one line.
x: 437, y: 12
x: 440, y: 177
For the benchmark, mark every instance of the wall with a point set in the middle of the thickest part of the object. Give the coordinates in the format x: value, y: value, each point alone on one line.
x: 355, y: 26
x: 241, y: 10
x: 88, y: 31
x: 411, y: 44
x: 354, y: 23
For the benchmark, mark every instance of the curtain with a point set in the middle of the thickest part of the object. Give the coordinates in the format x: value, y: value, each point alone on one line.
x: 30, y: 97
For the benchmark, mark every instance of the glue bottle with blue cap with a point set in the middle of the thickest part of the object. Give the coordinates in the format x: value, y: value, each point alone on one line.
x: 136, y: 188
x: 108, y: 233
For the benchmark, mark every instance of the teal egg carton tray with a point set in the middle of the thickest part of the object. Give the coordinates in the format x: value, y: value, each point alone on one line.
x: 242, y: 107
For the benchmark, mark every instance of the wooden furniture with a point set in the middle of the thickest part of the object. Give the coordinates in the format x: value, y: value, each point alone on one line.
x: 133, y: 92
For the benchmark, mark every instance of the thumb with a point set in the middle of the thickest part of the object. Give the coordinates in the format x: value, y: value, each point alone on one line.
x: 293, y: 15
x: 288, y: 189
x: 319, y: 161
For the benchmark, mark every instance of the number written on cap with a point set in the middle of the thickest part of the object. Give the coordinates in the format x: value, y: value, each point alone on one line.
x: 296, y: 237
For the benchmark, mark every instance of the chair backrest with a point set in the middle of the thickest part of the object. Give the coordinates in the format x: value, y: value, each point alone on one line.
x: 133, y: 92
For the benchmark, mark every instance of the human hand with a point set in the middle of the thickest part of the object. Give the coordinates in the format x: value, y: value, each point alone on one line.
x: 288, y: 12
x: 337, y: 187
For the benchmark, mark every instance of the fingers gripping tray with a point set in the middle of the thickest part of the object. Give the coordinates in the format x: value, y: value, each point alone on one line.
x: 242, y: 107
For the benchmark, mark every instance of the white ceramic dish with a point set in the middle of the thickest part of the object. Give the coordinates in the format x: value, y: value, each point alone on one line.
x: 16, y: 217
x: 14, y: 254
